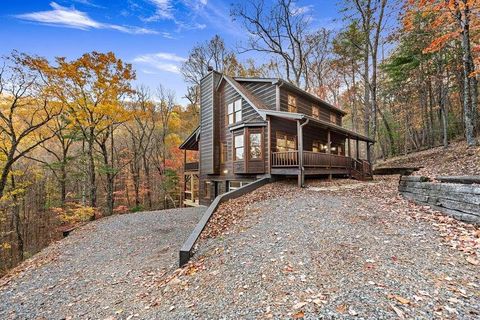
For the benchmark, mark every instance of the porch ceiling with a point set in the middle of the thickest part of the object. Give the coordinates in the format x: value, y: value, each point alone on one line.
x: 321, y: 123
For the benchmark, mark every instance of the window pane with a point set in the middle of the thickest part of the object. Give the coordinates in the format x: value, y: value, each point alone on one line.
x: 238, y: 105
x: 239, y: 153
x: 239, y: 141
x: 230, y: 108
x: 238, y: 116
x: 255, y: 145
x: 230, y: 119
x: 291, y: 144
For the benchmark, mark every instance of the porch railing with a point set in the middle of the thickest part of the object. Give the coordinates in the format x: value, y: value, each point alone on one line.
x: 285, y: 159
x: 191, y: 166
x: 310, y: 159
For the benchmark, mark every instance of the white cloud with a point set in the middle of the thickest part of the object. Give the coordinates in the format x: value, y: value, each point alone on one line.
x: 182, y: 13
x: 162, y: 61
x: 72, y: 18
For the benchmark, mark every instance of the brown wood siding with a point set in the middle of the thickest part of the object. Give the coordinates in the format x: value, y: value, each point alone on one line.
x: 264, y: 91
x: 304, y: 105
x: 206, y: 125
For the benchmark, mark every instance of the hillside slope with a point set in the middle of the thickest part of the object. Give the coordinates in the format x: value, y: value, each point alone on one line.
x: 457, y: 159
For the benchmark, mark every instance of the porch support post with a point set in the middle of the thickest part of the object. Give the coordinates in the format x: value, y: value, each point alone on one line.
x: 369, y: 156
x: 358, y: 150
x: 269, y: 145
x: 329, y: 151
x: 182, y: 195
x: 301, y: 173
x: 349, y: 147
x: 349, y: 157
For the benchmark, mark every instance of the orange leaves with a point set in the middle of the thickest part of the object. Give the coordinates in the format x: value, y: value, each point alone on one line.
x: 440, y: 42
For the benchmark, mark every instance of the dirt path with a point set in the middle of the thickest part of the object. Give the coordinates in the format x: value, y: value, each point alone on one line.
x: 99, y: 270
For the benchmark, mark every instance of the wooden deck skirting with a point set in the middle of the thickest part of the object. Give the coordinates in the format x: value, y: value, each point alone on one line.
x: 186, y: 251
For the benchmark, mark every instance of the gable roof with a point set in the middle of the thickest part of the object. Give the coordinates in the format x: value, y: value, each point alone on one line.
x: 245, y: 93
x: 191, y: 142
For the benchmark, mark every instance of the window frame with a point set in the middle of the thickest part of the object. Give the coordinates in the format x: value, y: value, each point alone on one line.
x: 333, y: 117
x: 286, y: 139
x: 241, y: 184
x: 260, y: 146
x: 292, y: 107
x: 234, y: 112
x: 322, y: 147
x: 241, y: 134
x: 316, y: 115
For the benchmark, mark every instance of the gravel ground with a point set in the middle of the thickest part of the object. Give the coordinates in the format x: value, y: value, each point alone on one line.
x: 332, y: 251
x: 320, y: 253
x: 100, y: 270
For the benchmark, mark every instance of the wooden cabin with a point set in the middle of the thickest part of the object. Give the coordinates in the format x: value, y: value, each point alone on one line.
x: 256, y: 127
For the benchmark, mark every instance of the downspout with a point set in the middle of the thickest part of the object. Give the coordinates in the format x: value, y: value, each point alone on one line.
x: 301, y: 181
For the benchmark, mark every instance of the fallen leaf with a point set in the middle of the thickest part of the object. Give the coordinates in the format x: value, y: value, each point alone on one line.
x: 299, y: 305
x: 399, y: 312
x: 473, y: 261
x: 342, y: 308
x: 299, y: 315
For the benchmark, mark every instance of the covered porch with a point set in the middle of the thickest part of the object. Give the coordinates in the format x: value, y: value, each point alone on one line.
x: 190, y: 187
x: 316, y: 147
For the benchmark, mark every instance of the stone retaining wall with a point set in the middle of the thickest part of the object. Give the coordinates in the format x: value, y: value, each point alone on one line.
x: 461, y: 201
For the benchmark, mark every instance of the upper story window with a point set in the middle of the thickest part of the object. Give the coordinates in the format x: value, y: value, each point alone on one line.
x: 315, y: 112
x: 255, y: 145
x: 333, y: 117
x: 234, y: 111
x: 238, y: 147
x: 285, y: 142
x: 292, y: 103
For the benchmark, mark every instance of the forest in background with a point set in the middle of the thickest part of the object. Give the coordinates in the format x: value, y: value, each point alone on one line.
x: 79, y: 141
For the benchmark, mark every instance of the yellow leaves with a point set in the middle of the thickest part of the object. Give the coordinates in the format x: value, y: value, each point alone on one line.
x: 74, y: 213
x: 5, y: 246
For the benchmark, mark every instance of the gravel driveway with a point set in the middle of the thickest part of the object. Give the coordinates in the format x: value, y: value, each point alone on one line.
x: 99, y: 270
x: 325, y: 254
x: 344, y: 252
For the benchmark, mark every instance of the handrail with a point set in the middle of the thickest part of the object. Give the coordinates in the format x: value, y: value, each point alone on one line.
x: 186, y: 251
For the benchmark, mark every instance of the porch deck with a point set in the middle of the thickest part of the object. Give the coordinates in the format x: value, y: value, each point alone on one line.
x: 317, y: 163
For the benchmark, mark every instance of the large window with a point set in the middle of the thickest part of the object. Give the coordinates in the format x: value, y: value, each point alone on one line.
x: 238, y: 147
x: 318, y: 146
x: 255, y: 145
x: 316, y: 112
x: 292, y: 103
x: 285, y: 142
x: 234, y: 111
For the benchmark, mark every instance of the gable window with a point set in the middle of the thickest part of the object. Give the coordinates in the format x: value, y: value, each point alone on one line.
x: 234, y: 111
x: 316, y: 112
x: 255, y: 140
x: 318, y: 146
x: 285, y: 142
x: 292, y: 103
x: 238, y: 147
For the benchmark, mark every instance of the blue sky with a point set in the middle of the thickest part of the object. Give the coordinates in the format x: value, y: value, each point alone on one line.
x: 154, y: 35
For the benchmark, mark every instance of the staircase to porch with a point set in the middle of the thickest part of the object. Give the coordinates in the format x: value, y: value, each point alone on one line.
x: 316, y: 163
